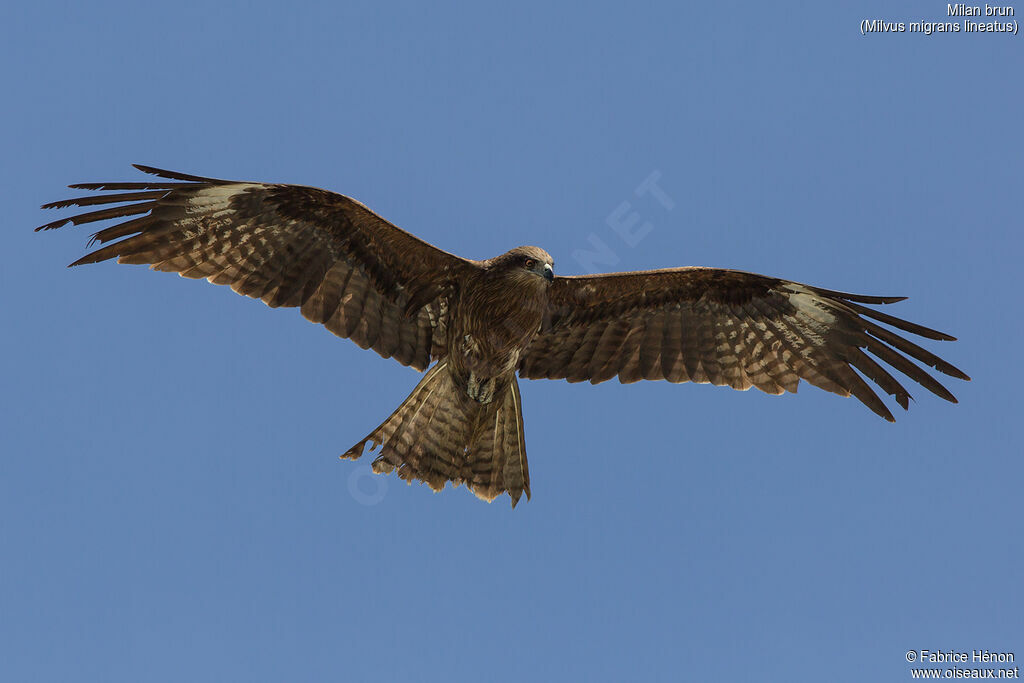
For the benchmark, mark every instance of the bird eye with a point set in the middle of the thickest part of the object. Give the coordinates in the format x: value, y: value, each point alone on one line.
x: 529, y: 264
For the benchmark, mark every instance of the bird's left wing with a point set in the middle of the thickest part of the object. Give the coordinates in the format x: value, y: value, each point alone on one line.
x: 289, y: 245
x: 730, y: 328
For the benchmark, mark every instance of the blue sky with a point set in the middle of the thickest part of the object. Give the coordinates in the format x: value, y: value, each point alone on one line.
x: 171, y: 503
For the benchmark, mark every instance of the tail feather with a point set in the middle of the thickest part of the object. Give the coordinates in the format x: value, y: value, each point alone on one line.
x: 439, y: 434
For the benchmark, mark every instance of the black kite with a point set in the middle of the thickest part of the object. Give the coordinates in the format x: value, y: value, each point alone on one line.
x: 482, y: 321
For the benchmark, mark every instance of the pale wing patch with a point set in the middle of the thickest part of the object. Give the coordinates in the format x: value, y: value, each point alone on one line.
x: 213, y: 196
x: 809, y: 303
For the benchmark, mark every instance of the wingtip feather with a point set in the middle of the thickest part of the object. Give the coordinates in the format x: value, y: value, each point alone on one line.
x: 53, y: 225
x: 174, y: 175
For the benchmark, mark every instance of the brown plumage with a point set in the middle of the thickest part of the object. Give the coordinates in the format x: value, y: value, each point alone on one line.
x: 482, y: 321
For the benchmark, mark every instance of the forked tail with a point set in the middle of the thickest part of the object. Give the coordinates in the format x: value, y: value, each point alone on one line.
x: 439, y: 434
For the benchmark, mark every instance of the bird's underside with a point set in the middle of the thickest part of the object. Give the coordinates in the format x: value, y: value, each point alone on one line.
x: 482, y: 322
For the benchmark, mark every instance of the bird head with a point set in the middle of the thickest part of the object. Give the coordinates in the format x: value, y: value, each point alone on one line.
x: 533, y: 260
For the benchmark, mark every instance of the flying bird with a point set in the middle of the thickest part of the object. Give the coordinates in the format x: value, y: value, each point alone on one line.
x: 483, y: 322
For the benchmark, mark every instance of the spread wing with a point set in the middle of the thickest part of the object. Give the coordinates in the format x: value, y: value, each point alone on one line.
x: 729, y: 328
x: 349, y: 269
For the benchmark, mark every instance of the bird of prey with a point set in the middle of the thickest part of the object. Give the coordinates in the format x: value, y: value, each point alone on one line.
x: 482, y: 322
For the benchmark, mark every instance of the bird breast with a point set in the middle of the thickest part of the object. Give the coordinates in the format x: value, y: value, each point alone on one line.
x: 495, y: 321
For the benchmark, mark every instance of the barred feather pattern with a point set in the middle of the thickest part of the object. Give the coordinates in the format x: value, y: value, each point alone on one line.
x: 439, y: 434
x: 727, y: 328
x: 347, y: 268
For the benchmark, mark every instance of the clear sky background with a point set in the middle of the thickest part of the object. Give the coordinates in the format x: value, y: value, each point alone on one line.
x: 171, y: 503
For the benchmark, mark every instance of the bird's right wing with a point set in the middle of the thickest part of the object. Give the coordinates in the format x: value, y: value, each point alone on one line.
x: 289, y: 245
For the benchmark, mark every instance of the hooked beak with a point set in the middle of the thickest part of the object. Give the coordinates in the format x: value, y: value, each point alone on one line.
x: 549, y: 273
